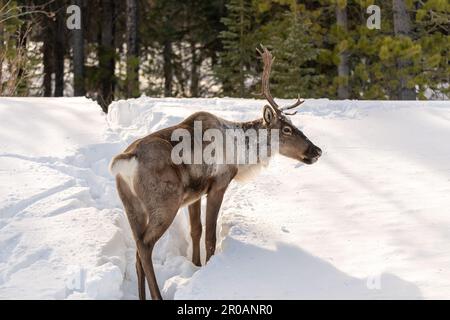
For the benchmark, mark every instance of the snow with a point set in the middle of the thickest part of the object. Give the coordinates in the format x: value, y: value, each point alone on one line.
x: 58, y: 208
x: 369, y: 220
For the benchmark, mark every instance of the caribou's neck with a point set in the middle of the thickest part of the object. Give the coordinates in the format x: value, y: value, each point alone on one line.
x: 258, y: 125
x: 247, y: 172
x: 254, y: 124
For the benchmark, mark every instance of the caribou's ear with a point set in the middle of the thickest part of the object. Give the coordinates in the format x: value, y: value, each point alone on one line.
x: 269, y: 115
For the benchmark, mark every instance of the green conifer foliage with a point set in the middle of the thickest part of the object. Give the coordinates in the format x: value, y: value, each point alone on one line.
x: 295, y: 53
x: 238, y: 55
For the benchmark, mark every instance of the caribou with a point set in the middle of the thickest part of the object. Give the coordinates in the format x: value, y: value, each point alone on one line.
x: 153, y: 187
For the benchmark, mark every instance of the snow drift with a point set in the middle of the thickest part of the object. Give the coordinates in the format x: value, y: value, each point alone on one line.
x: 369, y: 220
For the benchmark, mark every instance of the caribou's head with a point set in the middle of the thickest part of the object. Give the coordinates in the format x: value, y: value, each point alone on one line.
x: 292, y: 142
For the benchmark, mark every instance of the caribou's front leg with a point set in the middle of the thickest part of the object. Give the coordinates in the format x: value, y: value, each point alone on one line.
x: 215, y: 197
x: 196, y: 230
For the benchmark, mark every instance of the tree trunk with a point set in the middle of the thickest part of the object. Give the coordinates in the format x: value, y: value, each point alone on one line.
x: 343, y: 67
x: 48, y: 69
x: 78, y: 55
x: 106, y: 55
x: 48, y: 34
x: 168, y: 70
x: 242, y: 33
x: 402, y: 27
x: 194, y: 71
x: 132, y: 49
x: 20, y: 85
x: 59, y: 50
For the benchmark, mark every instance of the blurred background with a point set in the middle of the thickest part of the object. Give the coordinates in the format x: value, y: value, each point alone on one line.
x: 337, y: 49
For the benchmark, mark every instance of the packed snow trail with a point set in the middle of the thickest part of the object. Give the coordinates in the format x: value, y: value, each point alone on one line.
x: 369, y: 220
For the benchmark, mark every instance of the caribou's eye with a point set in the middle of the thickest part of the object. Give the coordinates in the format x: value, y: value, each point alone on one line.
x: 287, y: 130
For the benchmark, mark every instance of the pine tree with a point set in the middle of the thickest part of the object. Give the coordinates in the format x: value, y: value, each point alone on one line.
x: 294, y: 72
x: 15, y: 58
x: 432, y: 25
x: 422, y: 53
x: 238, y: 53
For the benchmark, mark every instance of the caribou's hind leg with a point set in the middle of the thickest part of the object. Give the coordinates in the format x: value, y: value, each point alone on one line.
x: 215, y: 197
x: 159, y: 188
x: 140, y: 276
x: 148, y: 220
x: 137, y: 219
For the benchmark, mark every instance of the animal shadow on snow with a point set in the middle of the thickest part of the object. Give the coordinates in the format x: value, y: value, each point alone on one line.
x: 291, y: 273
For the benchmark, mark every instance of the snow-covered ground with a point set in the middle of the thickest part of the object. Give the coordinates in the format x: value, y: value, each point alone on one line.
x: 371, y: 219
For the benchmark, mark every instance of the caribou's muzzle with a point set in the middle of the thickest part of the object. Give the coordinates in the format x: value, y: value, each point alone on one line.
x: 312, y: 154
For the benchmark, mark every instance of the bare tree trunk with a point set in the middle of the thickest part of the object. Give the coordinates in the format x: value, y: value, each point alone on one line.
x: 343, y: 67
x: 106, y: 55
x: 194, y: 71
x: 20, y: 86
x: 168, y: 70
x: 402, y: 27
x: 59, y: 50
x: 47, y: 51
x: 178, y: 73
x: 78, y: 55
x: 241, y: 89
x: 132, y: 49
x: 48, y: 36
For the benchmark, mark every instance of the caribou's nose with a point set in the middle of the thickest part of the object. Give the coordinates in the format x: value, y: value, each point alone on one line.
x: 319, y: 151
x: 315, y: 152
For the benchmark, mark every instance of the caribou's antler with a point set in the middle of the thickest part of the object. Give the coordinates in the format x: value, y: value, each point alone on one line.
x: 265, y: 86
x: 295, y: 105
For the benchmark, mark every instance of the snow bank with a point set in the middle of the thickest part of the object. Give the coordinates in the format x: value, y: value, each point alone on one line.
x: 369, y: 220
x: 41, y: 127
x: 62, y: 235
